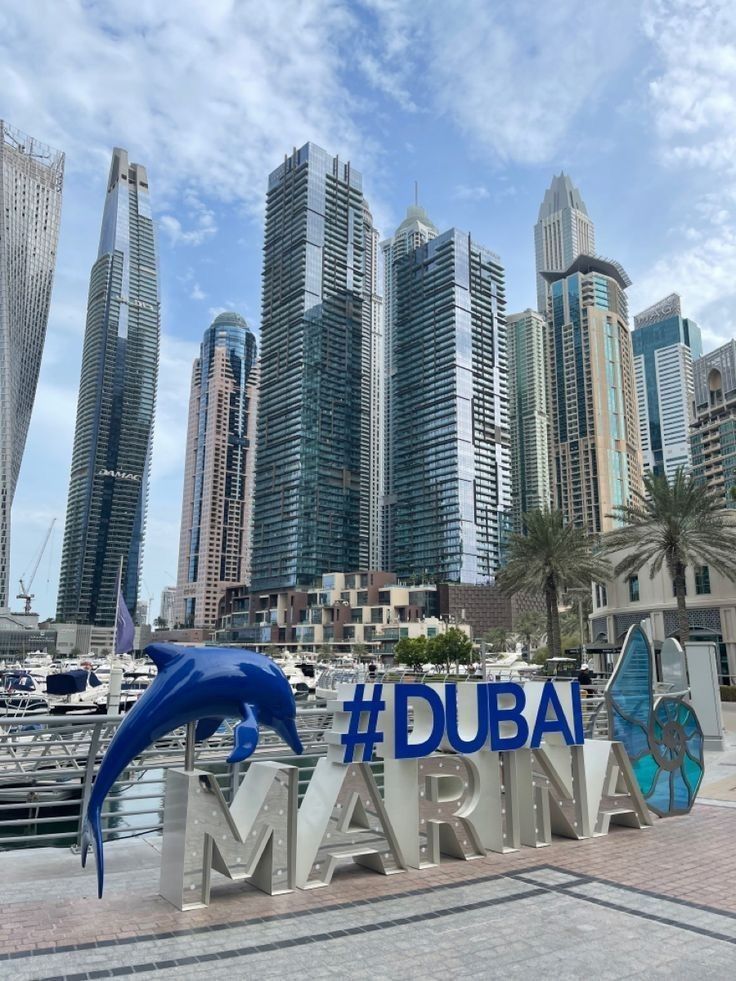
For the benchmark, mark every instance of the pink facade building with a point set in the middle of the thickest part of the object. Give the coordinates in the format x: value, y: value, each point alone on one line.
x: 215, y: 539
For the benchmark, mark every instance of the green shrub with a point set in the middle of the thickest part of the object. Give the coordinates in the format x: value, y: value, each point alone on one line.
x: 728, y: 693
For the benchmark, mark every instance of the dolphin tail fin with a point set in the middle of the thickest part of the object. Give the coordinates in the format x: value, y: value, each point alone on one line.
x: 92, y: 833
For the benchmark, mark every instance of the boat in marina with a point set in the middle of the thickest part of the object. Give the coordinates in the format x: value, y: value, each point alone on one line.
x: 70, y: 687
x: 22, y: 693
x: 300, y: 673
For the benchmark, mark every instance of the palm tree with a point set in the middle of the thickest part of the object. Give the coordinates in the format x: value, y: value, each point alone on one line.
x: 677, y: 524
x: 530, y: 626
x: 497, y: 638
x: 550, y: 557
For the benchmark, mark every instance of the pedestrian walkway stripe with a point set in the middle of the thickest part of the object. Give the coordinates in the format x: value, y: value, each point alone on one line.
x: 300, y: 941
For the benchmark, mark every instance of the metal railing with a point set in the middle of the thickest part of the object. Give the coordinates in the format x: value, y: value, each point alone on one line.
x: 48, y: 764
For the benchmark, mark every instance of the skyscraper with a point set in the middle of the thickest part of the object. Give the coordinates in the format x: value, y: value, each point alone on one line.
x: 108, y: 487
x: 373, y: 394
x: 450, y: 443
x: 415, y: 230
x: 713, y: 432
x: 595, y: 432
x: 31, y: 178
x: 311, y: 512
x: 528, y: 414
x: 215, y: 537
x: 665, y: 344
x: 166, y: 617
x: 563, y: 232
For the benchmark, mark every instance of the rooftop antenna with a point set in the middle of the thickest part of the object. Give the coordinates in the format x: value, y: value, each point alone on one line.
x: 416, y: 194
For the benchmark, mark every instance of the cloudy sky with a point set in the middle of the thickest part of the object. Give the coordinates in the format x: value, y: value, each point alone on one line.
x: 479, y: 101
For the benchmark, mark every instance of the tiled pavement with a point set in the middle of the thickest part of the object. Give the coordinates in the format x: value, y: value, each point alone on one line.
x: 637, y: 903
x: 659, y: 902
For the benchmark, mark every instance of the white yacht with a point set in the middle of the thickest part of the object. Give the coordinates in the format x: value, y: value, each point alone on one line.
x: 299, y: 673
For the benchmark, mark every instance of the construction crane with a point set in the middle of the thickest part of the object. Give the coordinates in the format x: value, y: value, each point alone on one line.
x: 25, y: 590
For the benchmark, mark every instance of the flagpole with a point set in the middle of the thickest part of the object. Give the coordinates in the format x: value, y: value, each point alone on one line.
x: 117, y: 610
x: 116, y: 674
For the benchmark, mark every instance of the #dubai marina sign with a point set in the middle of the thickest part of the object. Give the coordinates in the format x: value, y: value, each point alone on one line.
x: 467, y: 769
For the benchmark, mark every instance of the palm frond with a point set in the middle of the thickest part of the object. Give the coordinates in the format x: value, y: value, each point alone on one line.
x: 674, y: 522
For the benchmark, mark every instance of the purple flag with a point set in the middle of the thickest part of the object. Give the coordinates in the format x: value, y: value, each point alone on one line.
x: 124, y: 628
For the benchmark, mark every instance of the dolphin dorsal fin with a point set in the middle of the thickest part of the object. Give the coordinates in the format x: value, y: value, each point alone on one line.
x: 162, y: 654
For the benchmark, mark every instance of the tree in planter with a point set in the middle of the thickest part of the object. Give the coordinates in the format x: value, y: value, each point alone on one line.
x: 676, y: 524
x: 160, y: 623
x: 412, y: 651
x: 550, y: 557
x: 450, y: 647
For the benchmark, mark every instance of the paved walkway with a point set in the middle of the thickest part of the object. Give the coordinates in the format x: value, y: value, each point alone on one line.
x: 635, y: 904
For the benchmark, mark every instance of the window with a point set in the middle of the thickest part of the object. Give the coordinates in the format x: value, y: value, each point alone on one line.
x: 601, y: 597
x: 702, y: 580
x: 634, y: 589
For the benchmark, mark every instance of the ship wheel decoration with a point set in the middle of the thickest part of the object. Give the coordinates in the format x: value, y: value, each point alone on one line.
x: 661, y: 734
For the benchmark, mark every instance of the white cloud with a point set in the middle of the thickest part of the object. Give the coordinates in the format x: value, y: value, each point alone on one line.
x: 386, y: 80
x: 692, y: 99
x: 202, y: 218
x: 179, y: 236
x: 512, y: 77
x: 197, y: 293
x: 212, y: 94
x: 465, y: 192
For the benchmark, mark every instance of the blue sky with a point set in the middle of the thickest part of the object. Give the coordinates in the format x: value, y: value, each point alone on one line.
x: 480, y: 102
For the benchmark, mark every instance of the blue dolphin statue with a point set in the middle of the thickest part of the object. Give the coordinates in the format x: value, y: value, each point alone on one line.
x: 208, y: 684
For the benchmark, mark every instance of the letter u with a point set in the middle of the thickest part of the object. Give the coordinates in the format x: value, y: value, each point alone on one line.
x: 458, y: 716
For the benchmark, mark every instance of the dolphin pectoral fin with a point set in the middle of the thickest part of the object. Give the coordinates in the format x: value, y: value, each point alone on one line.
x: 206, y: 728
x: 246, y: 736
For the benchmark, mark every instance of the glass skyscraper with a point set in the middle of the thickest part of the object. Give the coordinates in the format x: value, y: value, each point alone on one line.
x: 563, y: 232
x: 31, y: 178
x: 449, y: 412
x: 595, y: 431
x: 311, y: 508
x: 108, y: 486
x: 528, y: 414
x: 215, y: 540
x: 373, y: 401
x: 713, y: 432
x: 414, y: 230
x: 665, y: 345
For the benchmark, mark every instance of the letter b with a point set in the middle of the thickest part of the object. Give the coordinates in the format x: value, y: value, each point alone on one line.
x: 503, y: 715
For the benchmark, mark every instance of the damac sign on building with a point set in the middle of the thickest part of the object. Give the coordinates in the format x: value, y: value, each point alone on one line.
x: 119, y: 475
x: 468, y: 769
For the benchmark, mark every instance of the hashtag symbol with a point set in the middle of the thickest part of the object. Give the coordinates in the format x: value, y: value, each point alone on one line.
x: 371, y: 735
